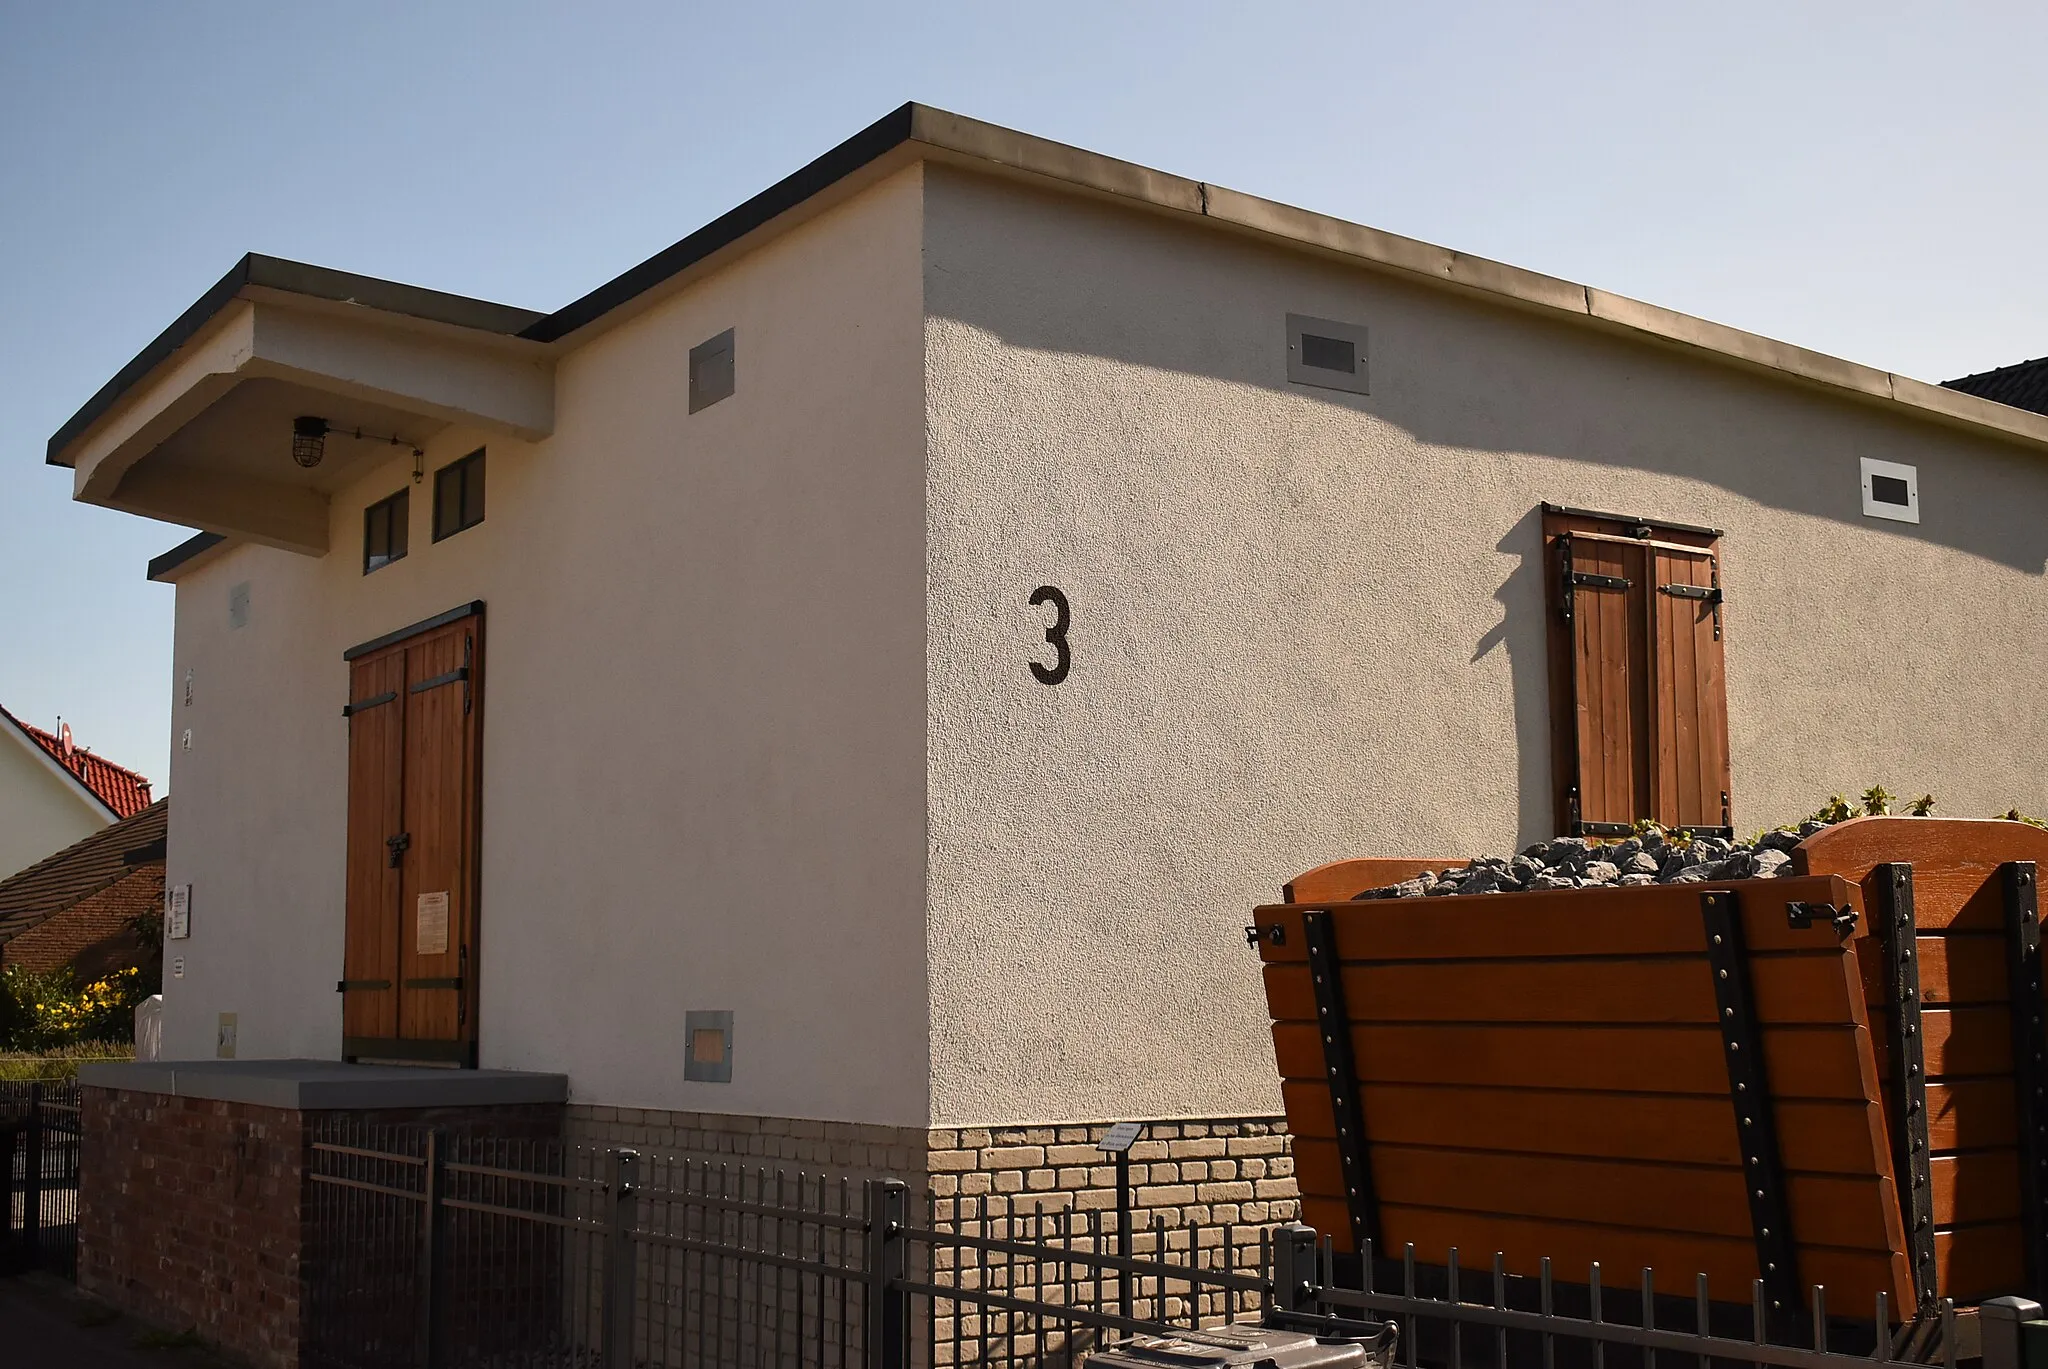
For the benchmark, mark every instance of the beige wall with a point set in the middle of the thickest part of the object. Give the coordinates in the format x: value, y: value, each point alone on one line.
x: 1308, y: 624
x: 41, y: 812
x: 703, y: 735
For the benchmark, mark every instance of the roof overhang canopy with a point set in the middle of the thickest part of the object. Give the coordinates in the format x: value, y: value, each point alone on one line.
x: 199, y: 431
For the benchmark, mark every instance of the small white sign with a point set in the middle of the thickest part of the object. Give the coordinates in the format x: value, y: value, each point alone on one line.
x: 430, y: 935
x: 178, y: 913
x: 178, y: 967
x: 1118, y: 1138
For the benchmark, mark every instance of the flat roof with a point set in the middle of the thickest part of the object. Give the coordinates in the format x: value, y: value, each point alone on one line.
x: 915, y: 132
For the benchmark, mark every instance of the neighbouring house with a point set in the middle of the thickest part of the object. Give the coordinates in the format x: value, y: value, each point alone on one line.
x: 79, y: 907
x: 2023, y: 385
x: 844, y: 682
x: 54, y: 792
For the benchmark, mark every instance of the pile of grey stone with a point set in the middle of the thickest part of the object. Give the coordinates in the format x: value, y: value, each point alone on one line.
x: 1581, y: 863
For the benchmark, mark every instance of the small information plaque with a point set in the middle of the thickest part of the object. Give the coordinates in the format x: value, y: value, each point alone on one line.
x: 430, y: 935
x: 1118, y: 1138
x: 178, y: 912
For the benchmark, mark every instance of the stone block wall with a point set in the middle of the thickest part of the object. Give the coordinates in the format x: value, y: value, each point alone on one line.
x: 1236, y: 1170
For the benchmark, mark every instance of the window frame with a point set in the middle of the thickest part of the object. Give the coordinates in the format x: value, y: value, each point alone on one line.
x: 397, y: 529
x: 459, y: 469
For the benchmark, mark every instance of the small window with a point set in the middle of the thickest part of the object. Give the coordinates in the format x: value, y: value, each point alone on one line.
x: 459, y: 495
x: 1326, y: 354
x: 384, y: 531
x: 711, y: 371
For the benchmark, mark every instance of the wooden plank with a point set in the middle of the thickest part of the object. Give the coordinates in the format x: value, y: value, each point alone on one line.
x: 1979, y: 1262
x: 1611, y: 722
x: 1804, y: 1062
x: 1824, y: 1137
x: 1955, y: 968
x: 1853, y: 1277
x: 1982, y: 1186
x: 1341, y: 880
x: 1955, y: 862
x: 1795, y: 988
x: 1650, y: 920
x: 1958, y: 1041
x: 1975, y: 1114
x: 1834, y: 1210
x: 376, y: 759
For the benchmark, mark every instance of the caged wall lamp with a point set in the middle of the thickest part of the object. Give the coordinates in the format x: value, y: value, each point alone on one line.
x: 309, y: 441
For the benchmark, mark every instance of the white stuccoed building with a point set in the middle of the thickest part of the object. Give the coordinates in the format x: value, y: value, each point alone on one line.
x: 908, y: 624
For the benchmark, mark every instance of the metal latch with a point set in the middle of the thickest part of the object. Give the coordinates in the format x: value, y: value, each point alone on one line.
x: 1276, y: 934
x: 397, y: 846
x: 1802, y: 915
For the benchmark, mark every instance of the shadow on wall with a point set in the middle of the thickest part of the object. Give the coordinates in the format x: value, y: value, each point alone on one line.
x: 1529, y: 386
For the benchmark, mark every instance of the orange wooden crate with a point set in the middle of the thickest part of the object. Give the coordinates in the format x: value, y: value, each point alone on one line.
x: 1545, y: 1074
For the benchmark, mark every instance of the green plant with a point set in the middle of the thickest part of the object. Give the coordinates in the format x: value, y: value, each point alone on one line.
x: 2015, y: 815
x: 1922, y: 807
x: 49, y: 1009
x: 1836, y: 809
x: 1877, y: 801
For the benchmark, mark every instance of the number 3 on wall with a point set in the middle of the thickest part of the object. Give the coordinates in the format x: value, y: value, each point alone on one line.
x: 1056, y: 635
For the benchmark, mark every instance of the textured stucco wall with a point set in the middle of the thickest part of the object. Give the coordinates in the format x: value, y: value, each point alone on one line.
x: 40, y: 814
x: 703, y: 729
x: 1308, y: 624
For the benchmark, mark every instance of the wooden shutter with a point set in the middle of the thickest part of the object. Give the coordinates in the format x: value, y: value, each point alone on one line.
x: 415, y: 724
x: 376, y: 766
x: 1639, y: 709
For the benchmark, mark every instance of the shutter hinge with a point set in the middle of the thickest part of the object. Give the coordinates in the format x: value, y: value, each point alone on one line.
x: 1710, y: 593
x: 1592, y: 581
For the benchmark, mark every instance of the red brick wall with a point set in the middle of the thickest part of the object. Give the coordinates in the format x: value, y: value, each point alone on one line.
x: 192, y: 1212
x: 92, y: 934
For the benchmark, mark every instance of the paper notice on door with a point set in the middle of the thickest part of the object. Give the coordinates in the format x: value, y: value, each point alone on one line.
x: 430, y: 936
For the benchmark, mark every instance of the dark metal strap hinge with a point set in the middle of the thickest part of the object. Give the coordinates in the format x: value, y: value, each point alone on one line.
x: 1749, y: 1091
x: 1593, y: 581
x: 1709, y: 593
x: 2019, y: 885
x: 349, y: 710
x: 360, y: 985
x: 1333, y: 1024
x: 1895, y: 922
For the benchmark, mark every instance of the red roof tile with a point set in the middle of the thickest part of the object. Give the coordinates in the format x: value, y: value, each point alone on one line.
x: 118, y: 787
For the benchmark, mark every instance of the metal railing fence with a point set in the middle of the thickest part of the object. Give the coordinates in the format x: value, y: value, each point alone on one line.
x: 39, y: 1151
x: 1490, y: 1319
x: 435, y: 1252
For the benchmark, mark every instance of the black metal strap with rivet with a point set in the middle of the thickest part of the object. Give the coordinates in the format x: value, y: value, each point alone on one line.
x: 1333, y: 1024
x: 1910, y: 1166
x: 1749, y: 1088
x: 2018, y: 884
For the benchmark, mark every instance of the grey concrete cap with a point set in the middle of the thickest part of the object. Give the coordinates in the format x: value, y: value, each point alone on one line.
x: 313, y: 1085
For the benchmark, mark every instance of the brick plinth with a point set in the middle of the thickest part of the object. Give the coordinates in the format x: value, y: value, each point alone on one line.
x: 193, y: 1212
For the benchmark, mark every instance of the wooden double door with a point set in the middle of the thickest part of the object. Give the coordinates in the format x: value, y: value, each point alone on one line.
x: 415, y: 723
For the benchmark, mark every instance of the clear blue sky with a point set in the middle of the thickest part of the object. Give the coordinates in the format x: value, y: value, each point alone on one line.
x: 1862, y: 178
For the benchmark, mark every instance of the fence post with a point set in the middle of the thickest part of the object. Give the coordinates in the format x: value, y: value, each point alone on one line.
x: 620, y: 1273
x: 2000, y: 1320
x: 1294, y: 1268
x: 32, y: 1187
x: 886, y: 1328
x: 433, y: 1277
x: 10, y: 1133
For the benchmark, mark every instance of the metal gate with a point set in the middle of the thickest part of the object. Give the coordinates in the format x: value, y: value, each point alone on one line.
x: 39, y: 1144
